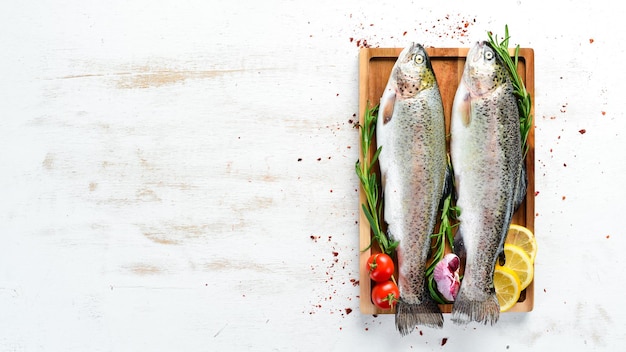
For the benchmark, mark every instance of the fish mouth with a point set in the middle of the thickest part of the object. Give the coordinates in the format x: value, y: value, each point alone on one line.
x: 476, y: 53
x: 407, y: 53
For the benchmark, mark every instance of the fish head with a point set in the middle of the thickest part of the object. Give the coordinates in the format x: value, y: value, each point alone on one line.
x: 413, y: 72
x: 484, y: 70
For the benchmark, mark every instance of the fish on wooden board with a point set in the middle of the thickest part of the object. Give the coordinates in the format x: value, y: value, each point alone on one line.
x: 413, y: 163
x: 490, y: 179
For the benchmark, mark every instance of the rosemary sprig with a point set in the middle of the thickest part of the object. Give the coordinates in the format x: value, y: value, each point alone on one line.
x: 523, y: 98
x: 449, y: 214
x: 373, y: 208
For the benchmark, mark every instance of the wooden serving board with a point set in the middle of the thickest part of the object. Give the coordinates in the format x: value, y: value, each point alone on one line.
x: 375, y: 65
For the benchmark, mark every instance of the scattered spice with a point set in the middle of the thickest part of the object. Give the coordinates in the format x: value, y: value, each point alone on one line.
x: 452, y: 26
x: 591, y: 41
x: 583, y: 131
x: 330, y: 266
x: 362, y: 43
x: 444, y: 341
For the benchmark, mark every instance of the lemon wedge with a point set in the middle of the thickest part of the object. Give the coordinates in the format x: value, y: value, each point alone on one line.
x: 508, y: 287
x: 518, y: 261
x: 524, y: 238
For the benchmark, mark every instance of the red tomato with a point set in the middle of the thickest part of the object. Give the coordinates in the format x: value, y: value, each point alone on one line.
x: 385, y: 295
x: 380, y: 267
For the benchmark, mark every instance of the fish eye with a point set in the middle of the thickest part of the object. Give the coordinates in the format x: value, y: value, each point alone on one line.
x: 488, y: 55
x: 419, y: 59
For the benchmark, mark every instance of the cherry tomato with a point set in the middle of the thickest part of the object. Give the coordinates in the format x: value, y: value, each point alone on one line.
x: 385, y: 295
x: 380, y: 267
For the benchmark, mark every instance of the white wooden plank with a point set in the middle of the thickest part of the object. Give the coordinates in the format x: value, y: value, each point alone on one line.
x: 179, y: 175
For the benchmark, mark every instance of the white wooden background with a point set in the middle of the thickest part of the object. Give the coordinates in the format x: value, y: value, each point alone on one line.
x: 179, y: 176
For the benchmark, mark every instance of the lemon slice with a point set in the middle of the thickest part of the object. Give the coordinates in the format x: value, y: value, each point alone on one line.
x: 508, y: 287
x: 518, y: 261
x: 523, y: 238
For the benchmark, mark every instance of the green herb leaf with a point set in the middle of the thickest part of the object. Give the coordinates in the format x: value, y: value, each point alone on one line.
x: 367, y: 176
x: 434, y: 293
x: 523, y: 98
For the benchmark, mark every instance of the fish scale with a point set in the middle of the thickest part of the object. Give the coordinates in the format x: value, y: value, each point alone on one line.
x: 490, y: 180
x: 413, y: 163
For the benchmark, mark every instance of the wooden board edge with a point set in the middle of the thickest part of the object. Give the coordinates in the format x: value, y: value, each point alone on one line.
x: 365, y: 55
x: 365, y: 286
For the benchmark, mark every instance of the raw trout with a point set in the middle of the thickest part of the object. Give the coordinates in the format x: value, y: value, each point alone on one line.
x: 413, y: 163
x: 486, y: 153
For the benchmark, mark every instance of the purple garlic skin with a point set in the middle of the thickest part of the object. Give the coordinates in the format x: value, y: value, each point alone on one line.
x: 446, y: 276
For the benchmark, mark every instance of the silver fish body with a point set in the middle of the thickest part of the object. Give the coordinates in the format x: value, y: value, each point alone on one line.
x: 413, y: 162
x: 490, y: 181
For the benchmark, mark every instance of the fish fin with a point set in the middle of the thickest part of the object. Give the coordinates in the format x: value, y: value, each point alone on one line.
x: 502, y: 257
x: 387, y: 102
x: 519, y: 194
x: 466, y: 310
x: 520, y: 189
x: 461, y: 105
x: 448, y: 185
x: 467, y: 110
x: 459, y: 246
x: 409, y: 315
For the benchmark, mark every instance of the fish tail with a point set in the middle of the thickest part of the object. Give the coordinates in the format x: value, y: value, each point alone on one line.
x: 409, y: 315
x: 466, y: 310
